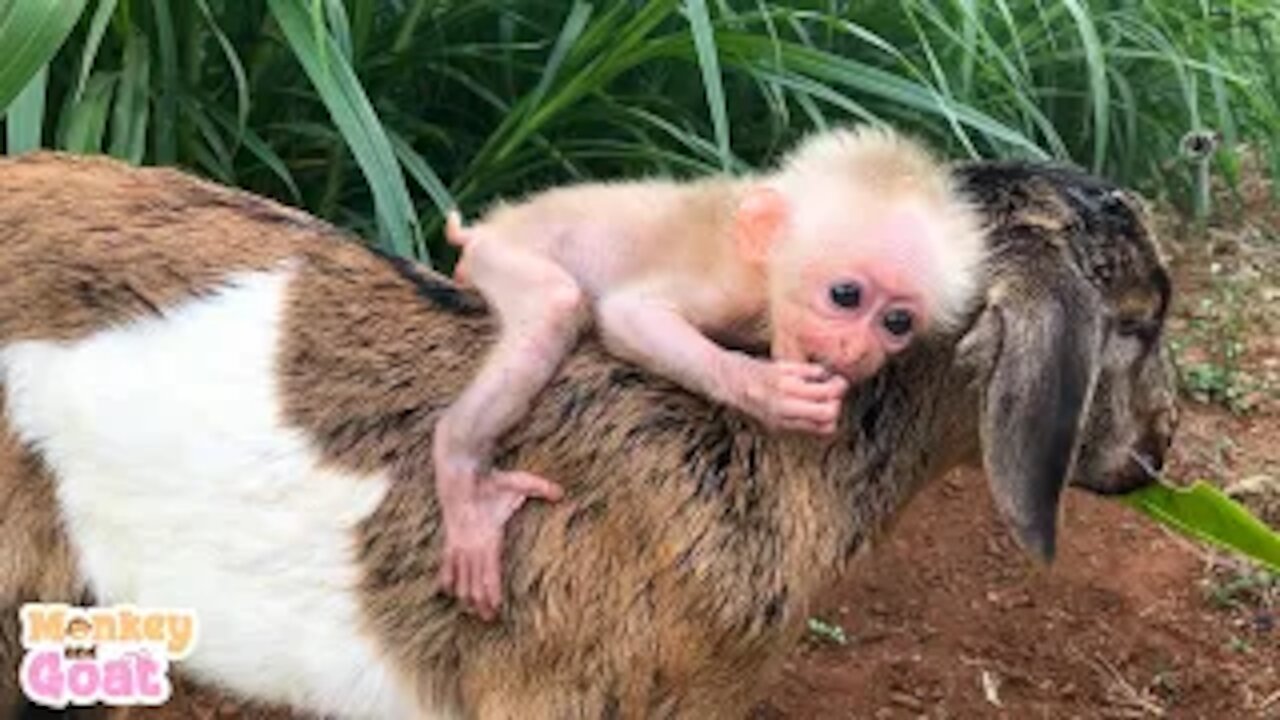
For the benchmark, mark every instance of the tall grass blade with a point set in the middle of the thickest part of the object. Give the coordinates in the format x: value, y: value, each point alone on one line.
x: 259, y: 148
x: 131, y: 111
x: 704, y: 41
x: 84, y: 122
x: 339, y: 26
x: 579, y: 14
x: 237, y: 69
x: 166, y: 120
x: 24, y: 123
x: 874, y: 82
x: 89, y: 53
x: 1099, y: 90
x: 31, y: 32
x: 421, y: 171
x: 343, y: 96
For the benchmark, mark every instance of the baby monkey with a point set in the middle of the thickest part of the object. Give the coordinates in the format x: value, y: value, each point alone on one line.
x: 836, y: 260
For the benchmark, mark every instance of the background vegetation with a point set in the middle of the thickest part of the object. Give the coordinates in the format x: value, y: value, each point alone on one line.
x: 377, y: 114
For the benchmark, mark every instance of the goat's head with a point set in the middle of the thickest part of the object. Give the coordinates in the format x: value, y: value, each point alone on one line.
x: 1075, y: 383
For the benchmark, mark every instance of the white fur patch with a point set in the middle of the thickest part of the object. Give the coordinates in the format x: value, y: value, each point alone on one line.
x: 182, y: 487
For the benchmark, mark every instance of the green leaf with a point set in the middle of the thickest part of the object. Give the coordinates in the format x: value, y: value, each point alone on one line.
x: 342, y: 94
x: 97, y: 28
x: 84, y: 122
x: 422, y: 172
x: 1205, y: 513
x: 217, y: 159
x: 237, y: 72
x: 25, y: 119
x: 31, y: 31
x: 258, y: 147
x: 130, y: 114
x: 827, y: 631
x: 1099, y: 90
x: 573, y: 26
x: 339, y: 25
x: 704, y: 41
x: 166, y: 134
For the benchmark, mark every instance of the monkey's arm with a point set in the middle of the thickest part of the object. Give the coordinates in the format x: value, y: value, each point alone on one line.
x: 788, y: 395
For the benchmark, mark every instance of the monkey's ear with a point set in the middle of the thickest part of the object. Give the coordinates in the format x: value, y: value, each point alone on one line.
x: 757, y: 222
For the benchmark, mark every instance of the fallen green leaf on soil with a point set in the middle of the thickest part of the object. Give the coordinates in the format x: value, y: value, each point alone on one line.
x: 1204, y: 512
x: 827, y: 631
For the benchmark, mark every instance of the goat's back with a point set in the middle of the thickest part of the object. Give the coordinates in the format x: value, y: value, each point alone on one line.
x: 236, y: 405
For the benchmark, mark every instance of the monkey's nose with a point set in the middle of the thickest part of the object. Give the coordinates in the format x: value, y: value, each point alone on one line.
x: 854, y: 371
x: 858, y: 366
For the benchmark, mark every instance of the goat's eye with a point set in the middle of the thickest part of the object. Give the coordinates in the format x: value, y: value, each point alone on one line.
x: 846, y: 295
x: 898, y: 322
x: 1141, y: 329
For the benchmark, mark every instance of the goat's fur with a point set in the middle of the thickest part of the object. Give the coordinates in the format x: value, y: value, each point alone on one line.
x: 682, y: 562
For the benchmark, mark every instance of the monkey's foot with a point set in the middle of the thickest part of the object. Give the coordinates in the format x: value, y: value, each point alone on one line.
x: 471, y: 564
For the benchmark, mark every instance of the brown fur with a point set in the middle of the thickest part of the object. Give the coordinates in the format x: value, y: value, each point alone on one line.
x: 691, y: 542
x: 36, y: 561
x: 126, y: 243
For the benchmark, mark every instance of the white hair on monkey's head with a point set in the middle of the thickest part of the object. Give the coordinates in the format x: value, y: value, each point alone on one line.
x: 866, y: 171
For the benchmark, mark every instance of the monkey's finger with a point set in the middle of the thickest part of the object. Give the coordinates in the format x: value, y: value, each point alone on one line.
x: 832, y: 388
x: 445, y: 576
x: 810, y: 427
x: 812, y: 372
x: 838, y: 384
x: 489, y: 578
x: 493, y: 583
x: 471, y: 593
x: 478, y: 597
x: 528, y: 484
x: 815, y: 413
x: 465, y: 595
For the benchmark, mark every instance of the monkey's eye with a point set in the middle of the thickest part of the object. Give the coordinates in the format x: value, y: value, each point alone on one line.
x: 846, y: 295
x: 898, y: 322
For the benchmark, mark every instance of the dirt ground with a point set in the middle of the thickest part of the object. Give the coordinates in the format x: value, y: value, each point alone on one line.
x: 948, y: 620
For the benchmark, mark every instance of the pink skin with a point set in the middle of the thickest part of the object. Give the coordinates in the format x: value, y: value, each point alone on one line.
x: 786, y: 394
x: 795, y: 391
x: 853, y: 341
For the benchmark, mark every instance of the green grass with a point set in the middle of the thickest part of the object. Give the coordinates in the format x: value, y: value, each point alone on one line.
x: 1210, y: 354
x: 381, y: 114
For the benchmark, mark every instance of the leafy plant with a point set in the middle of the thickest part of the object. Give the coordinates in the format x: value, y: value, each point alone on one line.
x: 1209, y: 354
x: 1203, y: 512
x: 381, y: 114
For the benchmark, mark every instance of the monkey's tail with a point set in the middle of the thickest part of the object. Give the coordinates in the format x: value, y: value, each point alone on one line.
x: 457, y: 236
x: 453, y: 230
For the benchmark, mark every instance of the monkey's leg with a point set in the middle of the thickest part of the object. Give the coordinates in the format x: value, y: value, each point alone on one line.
x: 541, y: 310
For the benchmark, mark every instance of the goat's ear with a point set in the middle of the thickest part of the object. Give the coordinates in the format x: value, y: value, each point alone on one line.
x: 1049, y: 339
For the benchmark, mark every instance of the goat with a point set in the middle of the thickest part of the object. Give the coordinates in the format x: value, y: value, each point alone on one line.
x: 215, y: 402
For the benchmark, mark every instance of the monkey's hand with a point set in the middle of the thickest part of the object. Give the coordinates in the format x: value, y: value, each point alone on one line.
x: 789, y: 395
x: 475, y: 513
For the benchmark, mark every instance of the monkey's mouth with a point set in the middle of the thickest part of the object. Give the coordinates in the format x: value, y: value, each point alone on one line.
x: 813, y: 359
x: 852, y: 375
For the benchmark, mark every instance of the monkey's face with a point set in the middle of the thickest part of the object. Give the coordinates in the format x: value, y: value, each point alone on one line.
x: 849, y: 322
x: 79, y: 631
x: 857, y: 302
